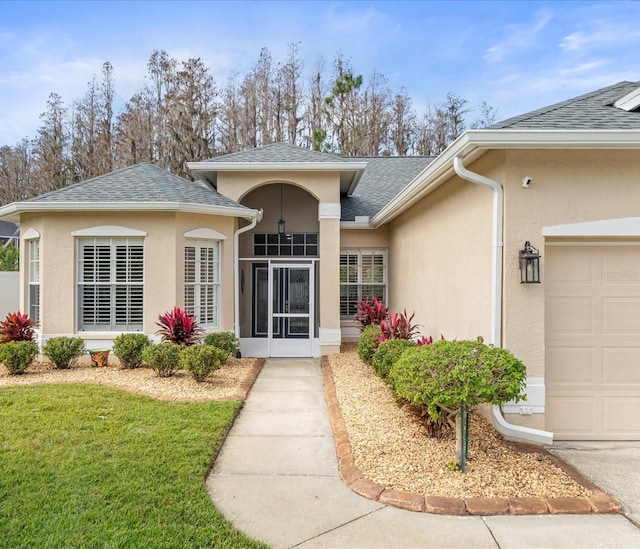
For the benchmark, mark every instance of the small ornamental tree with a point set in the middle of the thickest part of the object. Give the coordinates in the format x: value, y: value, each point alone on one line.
x: 452, y: 375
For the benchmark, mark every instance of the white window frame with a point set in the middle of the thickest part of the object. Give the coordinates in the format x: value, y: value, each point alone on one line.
x: 202, y: 281
x: 111, y: 285
x: 33, y: 258
x: 361, y: 258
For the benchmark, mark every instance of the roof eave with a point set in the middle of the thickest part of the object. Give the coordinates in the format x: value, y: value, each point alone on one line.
x: 474, y: 143
x: 12, y: 211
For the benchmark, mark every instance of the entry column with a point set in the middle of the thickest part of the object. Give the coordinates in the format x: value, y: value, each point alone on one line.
x: 329, y: 283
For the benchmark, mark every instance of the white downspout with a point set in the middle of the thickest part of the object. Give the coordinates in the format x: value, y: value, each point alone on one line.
x: 508, y: 430
x: 236, y: 270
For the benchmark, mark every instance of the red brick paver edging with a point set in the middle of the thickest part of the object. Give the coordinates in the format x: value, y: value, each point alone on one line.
x: 598, y: 503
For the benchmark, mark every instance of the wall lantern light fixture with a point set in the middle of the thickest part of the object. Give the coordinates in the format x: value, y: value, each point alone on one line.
x: 281, y: 224
x: 529, y: 264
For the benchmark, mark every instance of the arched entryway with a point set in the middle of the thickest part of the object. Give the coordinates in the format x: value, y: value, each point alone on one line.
x: 279, y: 283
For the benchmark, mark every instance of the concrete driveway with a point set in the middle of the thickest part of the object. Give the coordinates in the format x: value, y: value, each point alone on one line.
x: 613, y: 466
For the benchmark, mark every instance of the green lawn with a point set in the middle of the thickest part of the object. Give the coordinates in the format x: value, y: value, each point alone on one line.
x: 91, y: 466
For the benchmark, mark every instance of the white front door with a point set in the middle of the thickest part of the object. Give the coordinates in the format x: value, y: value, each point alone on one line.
x: 283, y: 294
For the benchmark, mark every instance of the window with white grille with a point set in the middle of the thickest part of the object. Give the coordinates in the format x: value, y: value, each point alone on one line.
x: 202, y: 281
x: 363, y: 276
x: 34, y: 279
x: 110, y: 284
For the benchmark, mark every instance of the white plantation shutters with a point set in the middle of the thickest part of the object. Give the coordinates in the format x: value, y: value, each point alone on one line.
x: 34, y: 279
x: 110, y: 284
x: 202, y: 281
x: 363, y: 276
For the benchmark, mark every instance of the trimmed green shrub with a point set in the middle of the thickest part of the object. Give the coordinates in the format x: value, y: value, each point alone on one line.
x: 368, y: 343
x: 17, y: 356
x: 162, y: 357
x: 226, y: 341
x: 64, y: 352
x: 448, y: 374
x: 201, y: 360
x: 128, y: 348
x: 387, y: 354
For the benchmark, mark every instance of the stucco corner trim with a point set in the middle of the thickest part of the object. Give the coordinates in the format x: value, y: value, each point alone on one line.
x: 30, y: 234
x: 330, y: 336
x: 109, y: 230
x: 329, y: 210
x: 205, y: 234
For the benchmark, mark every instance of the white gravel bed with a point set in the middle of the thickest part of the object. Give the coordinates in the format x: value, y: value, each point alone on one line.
x: 223, y: 383
x: 391, y: 448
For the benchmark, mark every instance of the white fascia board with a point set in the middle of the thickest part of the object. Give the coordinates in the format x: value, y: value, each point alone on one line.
x: 346, y: 225
x: 473, y: 143
x: 555, y: 139
x: 22, y: 207
x: 276, y: 166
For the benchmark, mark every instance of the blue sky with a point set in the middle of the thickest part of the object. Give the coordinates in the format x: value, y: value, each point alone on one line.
x: 517, y: 56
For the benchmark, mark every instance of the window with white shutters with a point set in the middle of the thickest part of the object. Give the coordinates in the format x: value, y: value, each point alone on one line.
x: 363, y: 276
x: 110, y: 284
x: 34, y: 279
x: 202, y: 281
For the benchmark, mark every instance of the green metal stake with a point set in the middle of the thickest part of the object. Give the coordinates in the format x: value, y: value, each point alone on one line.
x: 463, y: 438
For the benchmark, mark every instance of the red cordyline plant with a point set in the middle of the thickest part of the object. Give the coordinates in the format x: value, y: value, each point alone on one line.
x: 179, y: 327
x: 371, y: 313
x: 17, y: 327
x: 398, y: 326
x: 427, y: 340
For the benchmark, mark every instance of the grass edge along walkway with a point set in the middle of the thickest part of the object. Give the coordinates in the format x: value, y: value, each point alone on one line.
x: 93, y: 466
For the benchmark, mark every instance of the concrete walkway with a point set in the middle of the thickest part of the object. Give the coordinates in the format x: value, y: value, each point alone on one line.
x: 277, y: 479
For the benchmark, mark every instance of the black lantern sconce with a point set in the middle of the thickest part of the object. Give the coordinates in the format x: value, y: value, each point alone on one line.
x: 529, y: 264
x: 281, y: 225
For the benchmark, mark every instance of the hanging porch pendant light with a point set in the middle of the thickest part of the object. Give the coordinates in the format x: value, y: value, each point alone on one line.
x: 281, y: 224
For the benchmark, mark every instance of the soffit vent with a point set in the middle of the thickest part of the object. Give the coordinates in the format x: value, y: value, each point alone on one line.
x: 630, y: 102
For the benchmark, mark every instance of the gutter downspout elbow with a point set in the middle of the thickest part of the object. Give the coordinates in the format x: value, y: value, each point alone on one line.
x: 508, y: 430
x: 236, y: 269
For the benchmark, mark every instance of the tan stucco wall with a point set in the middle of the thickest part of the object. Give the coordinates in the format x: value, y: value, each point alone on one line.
x: 324, y: 186
x: 440, y: 261
x: 365, y: 238
x: 567, y: 187
x: 163, y: 269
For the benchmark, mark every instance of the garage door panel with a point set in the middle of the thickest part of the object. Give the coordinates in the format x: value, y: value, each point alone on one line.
x: 571, y: 315
x: 570, y: 365
x: 621, y: 316
x: 592, y: 340
x: 621, y: 415
x: 572, y: 266
x: 620, y: 268
x: 621, y: 365
x: 571, y: 414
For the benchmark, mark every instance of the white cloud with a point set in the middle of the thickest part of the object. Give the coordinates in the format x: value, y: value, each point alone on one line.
x: 519, y: 37
x: 601, y: 34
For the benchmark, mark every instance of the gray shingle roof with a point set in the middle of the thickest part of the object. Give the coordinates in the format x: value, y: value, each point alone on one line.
x: 279, y: 152
x: 592, y: 110
x: 139, y: 183
x: 383, y: 179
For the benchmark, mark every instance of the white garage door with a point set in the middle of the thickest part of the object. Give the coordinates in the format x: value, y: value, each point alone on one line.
x: 592, y: 330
